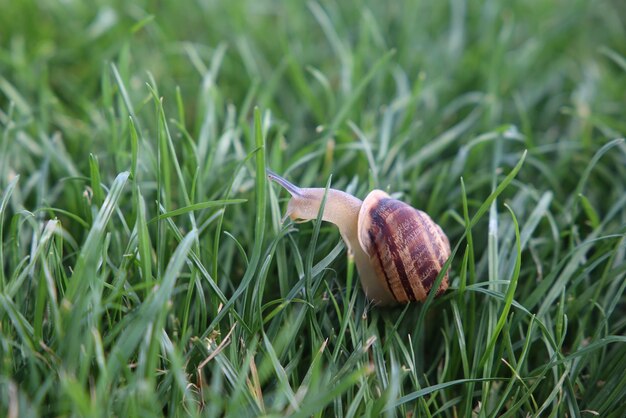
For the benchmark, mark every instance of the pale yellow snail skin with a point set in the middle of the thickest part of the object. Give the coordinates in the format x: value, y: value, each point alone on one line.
x: 398, y: 250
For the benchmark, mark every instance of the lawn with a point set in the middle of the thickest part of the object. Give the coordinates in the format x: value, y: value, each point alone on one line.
x: 144, y: 266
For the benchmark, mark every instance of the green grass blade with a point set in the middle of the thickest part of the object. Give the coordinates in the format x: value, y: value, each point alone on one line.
x: 259, y: 229
x: 3, y: 207
x: 87, y: 261
x: 510, y: 293
x: 197, y: 206
x: 156, y: 303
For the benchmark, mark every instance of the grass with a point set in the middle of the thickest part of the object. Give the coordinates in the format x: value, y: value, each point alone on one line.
x: 144, y: 268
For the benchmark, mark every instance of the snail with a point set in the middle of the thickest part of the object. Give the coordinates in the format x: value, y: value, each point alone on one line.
x: 398, y: 250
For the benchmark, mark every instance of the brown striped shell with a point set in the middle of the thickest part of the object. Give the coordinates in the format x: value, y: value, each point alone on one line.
x: 406, y: 248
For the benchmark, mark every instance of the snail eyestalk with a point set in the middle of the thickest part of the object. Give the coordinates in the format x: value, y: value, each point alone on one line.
x: 290, y: 187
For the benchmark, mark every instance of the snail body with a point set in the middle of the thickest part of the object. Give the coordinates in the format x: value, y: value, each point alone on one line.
x: 398, y: 250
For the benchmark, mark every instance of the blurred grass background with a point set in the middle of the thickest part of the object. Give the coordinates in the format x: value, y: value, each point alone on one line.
x: 144, y: 270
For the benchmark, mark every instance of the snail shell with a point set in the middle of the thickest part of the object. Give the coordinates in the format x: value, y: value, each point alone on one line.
x: 406, y: 248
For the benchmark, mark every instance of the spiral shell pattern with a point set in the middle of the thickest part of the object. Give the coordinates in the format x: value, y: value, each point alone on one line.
x: 406, y: 248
